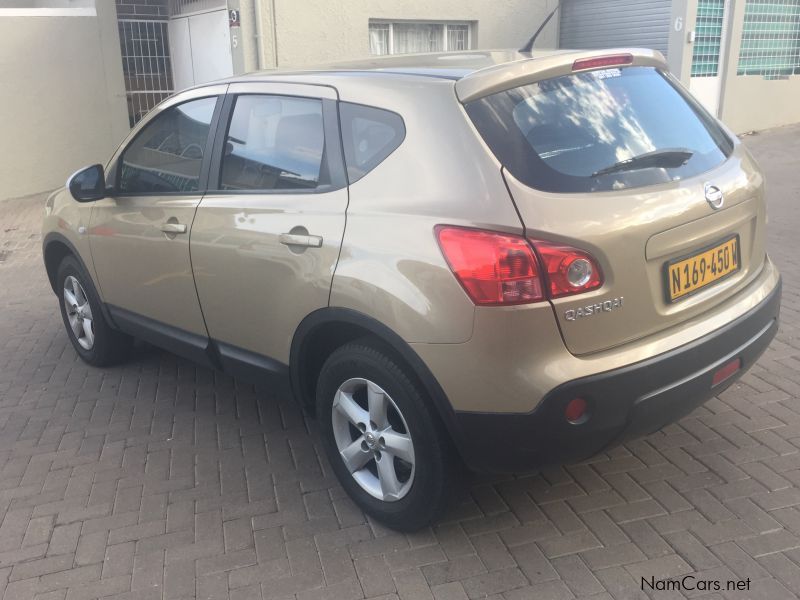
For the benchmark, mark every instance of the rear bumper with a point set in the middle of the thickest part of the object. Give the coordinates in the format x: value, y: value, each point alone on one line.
x: 624, y: 403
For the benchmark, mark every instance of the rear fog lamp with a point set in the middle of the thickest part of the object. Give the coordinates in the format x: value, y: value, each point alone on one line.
x: 576, y: 411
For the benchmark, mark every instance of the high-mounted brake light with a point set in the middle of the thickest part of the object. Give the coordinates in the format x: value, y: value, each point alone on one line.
x: 568, y: 270
x: 495, y: 269
x: 599, y: 62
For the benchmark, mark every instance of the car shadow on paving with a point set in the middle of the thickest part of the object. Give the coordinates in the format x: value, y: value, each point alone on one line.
x: 160, y: 479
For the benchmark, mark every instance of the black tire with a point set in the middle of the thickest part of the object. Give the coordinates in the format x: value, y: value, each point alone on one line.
x: 433, y: 471
x: 110, y: 346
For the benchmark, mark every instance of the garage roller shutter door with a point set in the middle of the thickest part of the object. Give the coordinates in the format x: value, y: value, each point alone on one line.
x: 610, y: 23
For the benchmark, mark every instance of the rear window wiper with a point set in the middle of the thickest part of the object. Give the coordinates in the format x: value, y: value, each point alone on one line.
x: 668, y: 159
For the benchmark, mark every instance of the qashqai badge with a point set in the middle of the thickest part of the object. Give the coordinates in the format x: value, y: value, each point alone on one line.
x: 714, y: 196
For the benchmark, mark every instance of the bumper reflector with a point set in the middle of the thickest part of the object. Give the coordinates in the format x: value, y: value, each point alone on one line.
x: 726, y: 371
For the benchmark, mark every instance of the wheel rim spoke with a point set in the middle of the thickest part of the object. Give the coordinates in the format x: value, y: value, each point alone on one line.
x: 378, y: 405
x: 398, y: 444
x: 70, y: 300
x: 346, y: 405
x: 88, y: 332
x: 75, y: 324
x: 390, y: 484
x: 354, y: 455
x: 80, y: 295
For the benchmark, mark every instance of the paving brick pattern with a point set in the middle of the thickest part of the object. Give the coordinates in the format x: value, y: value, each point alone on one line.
x: 158, y: 479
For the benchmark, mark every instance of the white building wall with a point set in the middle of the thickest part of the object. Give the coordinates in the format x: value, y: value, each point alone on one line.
x: 753, y: 102
x: 319, y: 31
x: 62, y: 96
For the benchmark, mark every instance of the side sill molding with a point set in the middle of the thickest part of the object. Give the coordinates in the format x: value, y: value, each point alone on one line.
x: 250, y: 366
x: 189, y: 345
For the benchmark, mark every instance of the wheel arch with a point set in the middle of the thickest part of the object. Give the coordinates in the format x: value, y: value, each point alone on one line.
x: 55, y: 248
x: 326, y: 329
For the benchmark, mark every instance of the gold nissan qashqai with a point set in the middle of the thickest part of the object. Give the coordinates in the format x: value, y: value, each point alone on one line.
x: 516, y: 260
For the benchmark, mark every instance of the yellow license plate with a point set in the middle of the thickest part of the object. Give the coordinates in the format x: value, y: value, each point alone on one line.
x: 687, y: 275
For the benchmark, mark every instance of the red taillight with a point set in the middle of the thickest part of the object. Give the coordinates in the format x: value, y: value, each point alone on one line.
x: 569, y: 270
x: 494, y: 268
x: 612, y: 60
x: 726, y: 372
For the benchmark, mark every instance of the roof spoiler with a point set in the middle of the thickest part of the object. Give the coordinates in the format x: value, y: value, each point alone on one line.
x: 513, y: 74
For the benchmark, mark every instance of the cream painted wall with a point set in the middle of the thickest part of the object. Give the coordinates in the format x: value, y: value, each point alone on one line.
x: 62, y: 97
x: 330, y: 30
x: 750, y: 102
x: 753, y: 103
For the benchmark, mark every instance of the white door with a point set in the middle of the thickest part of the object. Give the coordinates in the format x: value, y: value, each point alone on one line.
x: 707, y: 56
x: 200, y: 47
x: 180, y: 47
x: 211, y: 46
x: 706, y: 89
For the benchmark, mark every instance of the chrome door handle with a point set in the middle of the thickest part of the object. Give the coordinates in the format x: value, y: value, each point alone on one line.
x: 173, y: 228
x: 293, y: 239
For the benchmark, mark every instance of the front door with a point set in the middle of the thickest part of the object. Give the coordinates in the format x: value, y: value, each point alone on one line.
x: 266, y: 236
x: 139, y: 236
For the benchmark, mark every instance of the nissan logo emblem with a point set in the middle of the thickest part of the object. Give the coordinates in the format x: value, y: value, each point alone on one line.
x: 714, y: 196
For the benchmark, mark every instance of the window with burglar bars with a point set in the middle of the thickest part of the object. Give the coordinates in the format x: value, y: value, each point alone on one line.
x: 705, y: 54
x: 146, y: 65
x: 404, y: 37
x: 770, y: 39
x: 183, y: 7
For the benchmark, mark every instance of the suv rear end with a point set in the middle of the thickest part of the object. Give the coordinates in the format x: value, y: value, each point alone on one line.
x: 646, y: 219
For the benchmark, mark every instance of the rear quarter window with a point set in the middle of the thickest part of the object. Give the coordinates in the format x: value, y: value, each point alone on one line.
x: 581, y: 132
x: 369, y: 135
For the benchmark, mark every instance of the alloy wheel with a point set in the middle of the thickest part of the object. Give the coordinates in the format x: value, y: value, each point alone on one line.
x: 79, y: 312
x: 373, y: 439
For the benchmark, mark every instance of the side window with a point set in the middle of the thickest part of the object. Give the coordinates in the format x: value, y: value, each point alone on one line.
x: 369, y: 135
x: 167, y: 154
x: 274, y: 143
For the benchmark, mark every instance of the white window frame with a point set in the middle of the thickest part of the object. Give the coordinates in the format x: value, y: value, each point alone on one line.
x: 445, y: 24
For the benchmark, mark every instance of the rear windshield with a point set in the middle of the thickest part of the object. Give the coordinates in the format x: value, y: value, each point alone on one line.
x: 600, y: 130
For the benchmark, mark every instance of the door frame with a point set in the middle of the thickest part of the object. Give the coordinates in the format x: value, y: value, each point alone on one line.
x: 112, y: 170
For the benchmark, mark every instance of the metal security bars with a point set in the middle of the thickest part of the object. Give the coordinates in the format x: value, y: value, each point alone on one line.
x: 403, y: 37
x: 146, y: 65
x: 705, y: 54
x: 458, y: 37
x: 770, y: 39
x: 179, y: 8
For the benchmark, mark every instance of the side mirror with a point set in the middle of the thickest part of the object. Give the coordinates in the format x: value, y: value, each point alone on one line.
x: 88, y: 184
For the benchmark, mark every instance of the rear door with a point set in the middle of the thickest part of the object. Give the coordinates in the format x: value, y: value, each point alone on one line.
x: 621, y: 163
x: 267, y: 234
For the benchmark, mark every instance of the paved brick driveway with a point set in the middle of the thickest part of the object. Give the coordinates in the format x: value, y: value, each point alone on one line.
x: 163, y: 480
